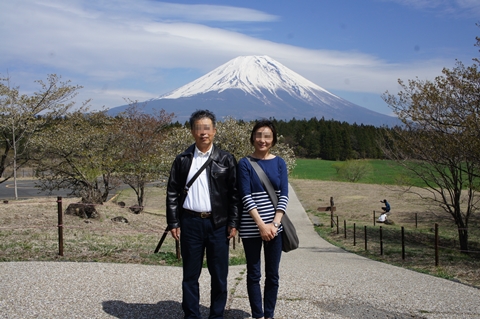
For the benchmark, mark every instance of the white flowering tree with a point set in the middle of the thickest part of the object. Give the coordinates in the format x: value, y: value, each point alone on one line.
x: 232, y: 136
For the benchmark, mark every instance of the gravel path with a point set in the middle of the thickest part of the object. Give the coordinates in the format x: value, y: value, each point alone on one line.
x: 318, y: 280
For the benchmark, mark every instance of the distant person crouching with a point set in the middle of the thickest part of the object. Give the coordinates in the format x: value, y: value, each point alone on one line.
x: 385, y: 208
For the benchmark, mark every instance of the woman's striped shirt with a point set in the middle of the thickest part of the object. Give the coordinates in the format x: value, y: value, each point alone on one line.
x: 254, y: 195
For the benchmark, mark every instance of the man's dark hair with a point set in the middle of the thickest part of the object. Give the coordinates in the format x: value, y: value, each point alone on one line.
x: 264, y: 123
x: 200, y: 114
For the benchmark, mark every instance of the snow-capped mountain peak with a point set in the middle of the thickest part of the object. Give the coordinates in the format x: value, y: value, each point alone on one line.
x: 254, y: 75
x: 253, y: 87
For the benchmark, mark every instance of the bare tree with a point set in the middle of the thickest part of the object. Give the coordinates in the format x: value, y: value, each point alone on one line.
x: 23, y: 116
x: 440, y: 140
x: 145, y: 158
x: 81, y: 153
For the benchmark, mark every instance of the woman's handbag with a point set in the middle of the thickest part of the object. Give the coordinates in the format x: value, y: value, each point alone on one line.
x: 289, y: 233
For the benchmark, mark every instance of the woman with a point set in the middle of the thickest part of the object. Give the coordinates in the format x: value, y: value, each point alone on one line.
x: 260, y: 222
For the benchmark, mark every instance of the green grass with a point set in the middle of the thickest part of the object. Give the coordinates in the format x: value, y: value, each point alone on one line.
x: 384, y: 172
x: 314, y: 169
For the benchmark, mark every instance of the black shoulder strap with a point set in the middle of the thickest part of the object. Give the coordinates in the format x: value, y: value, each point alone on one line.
x: 265, y: 181
x: 190, y: 182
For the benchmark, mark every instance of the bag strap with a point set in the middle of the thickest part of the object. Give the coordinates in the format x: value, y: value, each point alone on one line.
x: 265, y: 181
x: 190, y: 182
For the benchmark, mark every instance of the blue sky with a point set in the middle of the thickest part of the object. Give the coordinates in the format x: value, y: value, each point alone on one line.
x: 141, y: 49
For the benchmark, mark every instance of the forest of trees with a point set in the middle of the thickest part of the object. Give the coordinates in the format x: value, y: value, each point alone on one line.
x: 332, y: 140
x: 328, y: 139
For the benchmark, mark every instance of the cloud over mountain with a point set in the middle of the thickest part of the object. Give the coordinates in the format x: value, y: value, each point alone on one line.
x: 253, y: 87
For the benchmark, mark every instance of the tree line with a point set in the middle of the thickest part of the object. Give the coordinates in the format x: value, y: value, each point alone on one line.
x: 332, y: 140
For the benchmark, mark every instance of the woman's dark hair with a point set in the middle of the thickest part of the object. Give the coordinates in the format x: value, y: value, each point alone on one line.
x: 200, y: 114
x: 260, y: 124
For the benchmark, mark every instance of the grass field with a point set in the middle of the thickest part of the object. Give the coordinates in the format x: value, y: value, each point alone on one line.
x: 380, y: 172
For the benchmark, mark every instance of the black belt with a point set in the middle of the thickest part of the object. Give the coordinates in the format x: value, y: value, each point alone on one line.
x: 199, y: 214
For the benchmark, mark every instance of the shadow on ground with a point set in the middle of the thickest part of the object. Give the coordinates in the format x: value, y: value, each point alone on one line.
x: 164, y: 309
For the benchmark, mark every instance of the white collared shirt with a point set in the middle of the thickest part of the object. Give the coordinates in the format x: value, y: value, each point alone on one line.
x: 198, y: 197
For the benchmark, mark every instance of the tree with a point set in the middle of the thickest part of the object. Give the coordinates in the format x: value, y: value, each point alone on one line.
x: 80, y: 152
x: 352, y: 170
x: 232, y: 136
x: 22, y: 116
x: 145, y: 157
x: 440, y: 139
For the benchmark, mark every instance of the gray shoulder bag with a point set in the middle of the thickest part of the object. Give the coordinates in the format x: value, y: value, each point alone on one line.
x: 289, y: 233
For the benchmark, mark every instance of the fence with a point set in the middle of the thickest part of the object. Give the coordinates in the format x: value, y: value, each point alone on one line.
x: 373, y: 236
x: 377, y: 233
x: 33, y: 228
x: 86, y: 237
x: 133, y: 208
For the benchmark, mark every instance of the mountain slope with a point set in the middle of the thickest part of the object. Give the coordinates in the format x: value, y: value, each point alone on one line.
x: 252, y: 87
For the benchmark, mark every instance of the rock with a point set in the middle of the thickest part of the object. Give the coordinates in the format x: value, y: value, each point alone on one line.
x: 121, y: 204
x: 120, y: 219
x: 82, y: 210
x: 136, y: 209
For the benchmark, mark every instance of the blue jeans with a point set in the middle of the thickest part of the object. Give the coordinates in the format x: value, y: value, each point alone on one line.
x: 272, y: 254
x: 197, y: 236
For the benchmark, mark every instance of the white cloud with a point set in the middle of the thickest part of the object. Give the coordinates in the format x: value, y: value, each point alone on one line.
x: 163, y: 11
x: 110, y: 45
x: 458, y: 8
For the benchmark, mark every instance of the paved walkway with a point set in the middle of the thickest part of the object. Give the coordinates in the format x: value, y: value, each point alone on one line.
x: 318, y: 280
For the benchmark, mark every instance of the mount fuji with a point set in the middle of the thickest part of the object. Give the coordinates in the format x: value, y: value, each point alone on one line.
x: 254, y: 87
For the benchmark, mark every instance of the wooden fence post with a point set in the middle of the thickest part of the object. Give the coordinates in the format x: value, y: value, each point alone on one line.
x: 345, y: 228
x: 374, y: 218
x: 436, y: 245
x: 365, y: 230
x: 381, y: 241
x: 330, y: 208
x: 403, y: 243
x: 60, y: 225
x: 354, y: 235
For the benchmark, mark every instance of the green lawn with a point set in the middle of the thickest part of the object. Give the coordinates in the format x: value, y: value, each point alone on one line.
x: 381, y: 172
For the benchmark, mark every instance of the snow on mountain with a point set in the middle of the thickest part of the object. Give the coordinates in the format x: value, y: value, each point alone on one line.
x: 253, y: 87
x: 253, y: 75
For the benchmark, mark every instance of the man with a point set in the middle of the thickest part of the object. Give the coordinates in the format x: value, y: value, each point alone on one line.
x: 382, y: 218
x: 385, y: 208
x: 206, y: 212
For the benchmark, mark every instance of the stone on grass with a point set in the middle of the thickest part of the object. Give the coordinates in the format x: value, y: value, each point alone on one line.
x: 82, y: 210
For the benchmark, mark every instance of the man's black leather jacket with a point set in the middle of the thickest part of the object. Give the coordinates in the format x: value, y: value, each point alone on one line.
x: 222, y: 181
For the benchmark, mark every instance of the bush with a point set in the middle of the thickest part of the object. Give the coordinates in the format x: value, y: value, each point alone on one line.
x: 353, y: 170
